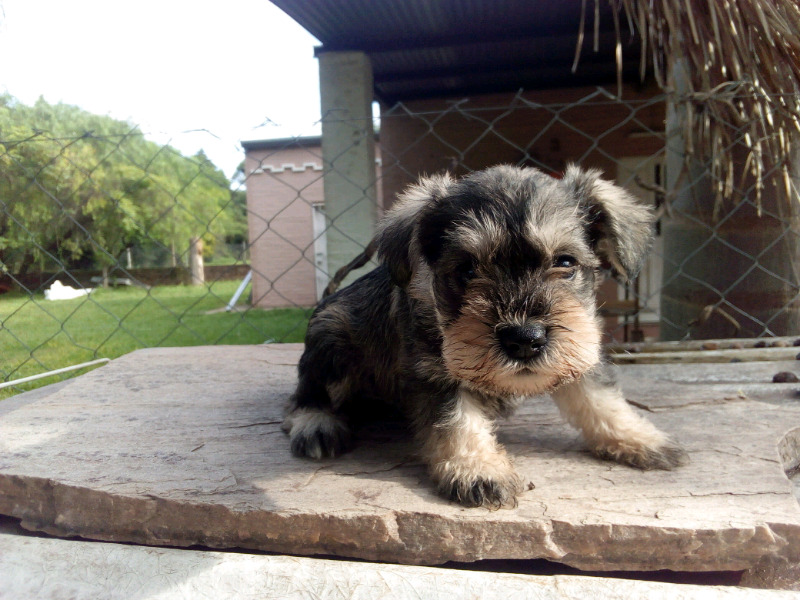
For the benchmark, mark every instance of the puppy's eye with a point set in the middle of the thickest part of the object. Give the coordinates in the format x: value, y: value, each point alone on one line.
x: 465, y: 272
x: 566, y: 262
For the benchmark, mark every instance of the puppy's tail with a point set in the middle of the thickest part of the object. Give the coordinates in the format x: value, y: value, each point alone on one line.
x: 358, y: 262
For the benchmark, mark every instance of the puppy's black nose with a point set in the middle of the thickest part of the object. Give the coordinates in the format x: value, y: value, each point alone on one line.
x: 522, y: 342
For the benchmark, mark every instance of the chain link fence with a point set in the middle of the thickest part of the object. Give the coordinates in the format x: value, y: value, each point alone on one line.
x: 158, y: 248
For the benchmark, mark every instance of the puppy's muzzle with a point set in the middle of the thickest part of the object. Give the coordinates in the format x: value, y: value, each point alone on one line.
x: 522, y: 342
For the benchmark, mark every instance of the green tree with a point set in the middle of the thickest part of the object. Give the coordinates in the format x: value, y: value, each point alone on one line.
x: 77, y: 189
x: 237, y: 233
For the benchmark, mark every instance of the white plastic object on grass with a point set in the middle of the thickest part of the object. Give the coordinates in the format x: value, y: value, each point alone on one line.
x: 59, y: 291
x: 239, y: 291
x: 99, y: 361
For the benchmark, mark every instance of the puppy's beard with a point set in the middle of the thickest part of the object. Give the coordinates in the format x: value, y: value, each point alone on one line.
x: 472, y: 354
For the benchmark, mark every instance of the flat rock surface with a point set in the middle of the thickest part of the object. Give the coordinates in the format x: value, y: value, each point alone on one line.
x: 183, y: 446
x: 44, y: 569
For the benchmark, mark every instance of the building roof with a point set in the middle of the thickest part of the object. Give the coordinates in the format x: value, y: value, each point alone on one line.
x: 424, y: 48
x: 281, y: 143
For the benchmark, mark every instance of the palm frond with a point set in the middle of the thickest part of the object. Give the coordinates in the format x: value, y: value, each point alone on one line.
x: 733, y: 67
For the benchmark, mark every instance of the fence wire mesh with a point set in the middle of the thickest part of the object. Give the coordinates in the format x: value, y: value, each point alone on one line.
x: 94, y: 204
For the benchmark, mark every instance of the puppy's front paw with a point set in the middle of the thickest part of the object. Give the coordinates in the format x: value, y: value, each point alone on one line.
x: 666, y: 456
x: 482, y: 491
x: 317, y: 433
x: 490, y: 485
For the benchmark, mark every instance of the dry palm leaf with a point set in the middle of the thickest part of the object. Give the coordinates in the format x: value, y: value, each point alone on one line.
x: 741, y: 60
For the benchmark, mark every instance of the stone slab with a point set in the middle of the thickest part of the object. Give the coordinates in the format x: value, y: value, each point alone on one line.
x: 183, y: 446
x: 678, y: 386
x: 45, y: 569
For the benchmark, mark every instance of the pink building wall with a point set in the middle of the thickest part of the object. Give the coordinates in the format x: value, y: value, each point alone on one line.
x: 283, y: 185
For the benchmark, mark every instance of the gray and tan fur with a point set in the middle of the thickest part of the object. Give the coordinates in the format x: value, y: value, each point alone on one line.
x: 485, y: 296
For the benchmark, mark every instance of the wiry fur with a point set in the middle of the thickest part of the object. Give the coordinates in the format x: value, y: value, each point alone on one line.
x: 486, y: 295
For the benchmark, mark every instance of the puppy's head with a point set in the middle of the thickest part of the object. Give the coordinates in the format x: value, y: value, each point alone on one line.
x: 507, y: 259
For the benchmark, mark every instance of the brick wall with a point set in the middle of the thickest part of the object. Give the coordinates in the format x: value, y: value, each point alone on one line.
x: 283, y: 185
x: 493, y: 129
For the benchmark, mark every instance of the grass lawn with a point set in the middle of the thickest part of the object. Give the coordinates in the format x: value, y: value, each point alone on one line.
x: 37, y: 335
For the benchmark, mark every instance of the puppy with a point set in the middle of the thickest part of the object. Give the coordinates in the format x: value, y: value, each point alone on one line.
x: 485, y: 296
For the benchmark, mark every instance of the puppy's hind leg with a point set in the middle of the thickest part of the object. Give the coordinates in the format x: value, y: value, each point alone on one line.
x: 595, y: 405
x: 316, y: 430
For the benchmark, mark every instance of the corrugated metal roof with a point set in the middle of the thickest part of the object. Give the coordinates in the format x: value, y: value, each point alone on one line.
x: 422, y: 48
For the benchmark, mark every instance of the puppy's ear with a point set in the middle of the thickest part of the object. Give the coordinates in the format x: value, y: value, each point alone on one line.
x: 620, y: 228
x: 397, y: 246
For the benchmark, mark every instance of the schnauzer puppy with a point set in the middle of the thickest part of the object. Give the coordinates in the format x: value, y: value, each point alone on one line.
x: 485, y: 296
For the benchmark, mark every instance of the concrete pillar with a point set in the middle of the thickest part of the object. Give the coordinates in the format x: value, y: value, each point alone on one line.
x: 348, y: 155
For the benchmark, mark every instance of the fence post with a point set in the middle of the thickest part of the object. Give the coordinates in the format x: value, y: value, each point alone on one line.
x: 196, y: 268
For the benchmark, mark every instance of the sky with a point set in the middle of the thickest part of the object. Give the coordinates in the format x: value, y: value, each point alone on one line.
x: 196, y: 74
